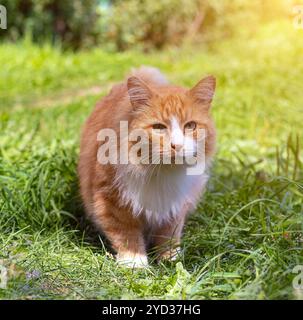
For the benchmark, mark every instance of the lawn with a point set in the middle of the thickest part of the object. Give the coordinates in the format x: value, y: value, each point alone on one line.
x: 246, y: 236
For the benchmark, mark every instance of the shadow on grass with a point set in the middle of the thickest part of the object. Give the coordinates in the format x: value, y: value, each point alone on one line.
x: 79, y: 221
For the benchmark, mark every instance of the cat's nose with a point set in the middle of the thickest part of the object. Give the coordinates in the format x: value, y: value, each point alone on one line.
x: 176, y: 147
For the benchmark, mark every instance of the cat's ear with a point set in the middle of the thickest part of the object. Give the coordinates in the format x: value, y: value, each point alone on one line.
x: 139, y: 92
x: 203, y: 92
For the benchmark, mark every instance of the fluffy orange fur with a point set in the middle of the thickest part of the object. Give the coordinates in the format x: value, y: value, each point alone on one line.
x: 110, y: 192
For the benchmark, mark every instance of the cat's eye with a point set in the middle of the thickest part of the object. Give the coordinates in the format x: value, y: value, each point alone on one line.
x: 191, y: 125
x: 159, y: 126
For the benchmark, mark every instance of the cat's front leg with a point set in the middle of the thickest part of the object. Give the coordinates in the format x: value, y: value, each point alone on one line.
x: 166, y: 239
x: 129, y: 244
x: 124, y: 231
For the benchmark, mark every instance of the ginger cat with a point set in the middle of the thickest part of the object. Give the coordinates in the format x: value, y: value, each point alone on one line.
x: 136, y: 204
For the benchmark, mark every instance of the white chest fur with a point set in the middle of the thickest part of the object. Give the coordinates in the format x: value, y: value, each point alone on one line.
x: 161, y: 192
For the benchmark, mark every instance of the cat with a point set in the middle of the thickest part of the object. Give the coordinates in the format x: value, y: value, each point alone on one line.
x: 135, y: 205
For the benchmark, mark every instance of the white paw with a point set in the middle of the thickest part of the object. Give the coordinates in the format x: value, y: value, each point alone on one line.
x: 131, y: 260
x: 177, y: 254
x: 171, y: 255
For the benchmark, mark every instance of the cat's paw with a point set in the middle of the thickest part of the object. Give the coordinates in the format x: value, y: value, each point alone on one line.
x: 170, y: 255
x: 131, y: 260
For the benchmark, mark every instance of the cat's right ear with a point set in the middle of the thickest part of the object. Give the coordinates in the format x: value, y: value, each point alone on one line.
x: 139, y: 92
x: 203, y: 91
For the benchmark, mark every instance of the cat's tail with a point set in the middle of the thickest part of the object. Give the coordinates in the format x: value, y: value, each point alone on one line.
x: 149, y: 74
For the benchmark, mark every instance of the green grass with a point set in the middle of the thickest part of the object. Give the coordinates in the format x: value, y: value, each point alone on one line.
x: 246, y: 235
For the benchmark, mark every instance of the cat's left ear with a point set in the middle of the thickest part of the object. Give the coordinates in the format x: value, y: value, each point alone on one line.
x: 203, y: 92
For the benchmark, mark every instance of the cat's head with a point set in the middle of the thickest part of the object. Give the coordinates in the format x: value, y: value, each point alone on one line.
x: 174, y: 117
